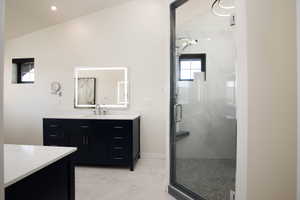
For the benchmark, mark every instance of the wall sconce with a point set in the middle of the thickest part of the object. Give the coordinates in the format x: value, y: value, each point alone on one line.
x: 56, y: 88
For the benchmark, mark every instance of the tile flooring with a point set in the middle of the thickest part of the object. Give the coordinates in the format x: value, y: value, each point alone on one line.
x: 213, y: 179
x: 147, y: 182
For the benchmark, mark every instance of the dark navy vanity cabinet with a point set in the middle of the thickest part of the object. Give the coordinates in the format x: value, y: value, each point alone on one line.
x: 99, y: 142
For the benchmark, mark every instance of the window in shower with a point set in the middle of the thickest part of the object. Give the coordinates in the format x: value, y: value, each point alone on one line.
x: 189, y: 64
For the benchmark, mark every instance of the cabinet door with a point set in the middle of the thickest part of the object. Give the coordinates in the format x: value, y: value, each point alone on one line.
x: 98, y: 143
x: 79, y: 132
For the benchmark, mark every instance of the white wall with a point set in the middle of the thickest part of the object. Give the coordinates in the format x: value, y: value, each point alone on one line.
x: 242, y: 100
x: 272, y: 101
x: 1, y: 98
x: 298, y: 100
x: 133, y: 35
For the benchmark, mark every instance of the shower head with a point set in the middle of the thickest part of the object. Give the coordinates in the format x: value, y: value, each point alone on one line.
x: 184, y: 43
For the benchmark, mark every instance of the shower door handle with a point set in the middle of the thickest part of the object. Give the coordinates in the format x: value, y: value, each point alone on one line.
x: 178, y: 113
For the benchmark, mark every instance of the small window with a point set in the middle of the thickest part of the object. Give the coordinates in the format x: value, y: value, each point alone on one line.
x: 23, y: 71
x: 189, y: 64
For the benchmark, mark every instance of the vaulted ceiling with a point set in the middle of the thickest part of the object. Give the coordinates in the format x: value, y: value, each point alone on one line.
x: 26, y: 16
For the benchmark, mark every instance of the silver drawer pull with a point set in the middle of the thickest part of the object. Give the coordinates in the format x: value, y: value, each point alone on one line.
x: 84, y: 126
x: 119, y: 158
x: 53, y: 135
x: 118, y: 138
x: 118, y: 127
x: 118, y: 148
x: 53, y: 126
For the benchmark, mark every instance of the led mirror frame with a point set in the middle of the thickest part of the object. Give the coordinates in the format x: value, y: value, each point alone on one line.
x: 125, y: 103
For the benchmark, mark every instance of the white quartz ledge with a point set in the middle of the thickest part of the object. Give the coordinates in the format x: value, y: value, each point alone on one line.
x: 21, y: 161
x: 97, y: 117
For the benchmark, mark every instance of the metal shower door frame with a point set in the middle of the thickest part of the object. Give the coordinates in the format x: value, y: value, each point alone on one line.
x: 175, y: 189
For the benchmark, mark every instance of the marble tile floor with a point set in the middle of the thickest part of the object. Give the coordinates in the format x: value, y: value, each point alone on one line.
x: 147, y: 182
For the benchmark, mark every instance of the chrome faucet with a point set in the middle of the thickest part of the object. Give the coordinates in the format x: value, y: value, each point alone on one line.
x: 100, y: 110
x: 97, y: 110
x: 104, y: 110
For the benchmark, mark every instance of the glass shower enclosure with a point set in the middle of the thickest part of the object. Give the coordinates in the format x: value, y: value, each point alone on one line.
x: 203, y: 107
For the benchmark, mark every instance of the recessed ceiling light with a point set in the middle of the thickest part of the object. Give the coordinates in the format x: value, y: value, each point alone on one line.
x: 53, y: 8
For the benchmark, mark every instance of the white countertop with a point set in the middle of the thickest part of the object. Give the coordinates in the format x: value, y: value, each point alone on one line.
x: 97, y: 117
x: 21, y: 161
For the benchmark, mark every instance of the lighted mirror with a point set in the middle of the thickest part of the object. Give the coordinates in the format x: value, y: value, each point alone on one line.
x: 107, y: 87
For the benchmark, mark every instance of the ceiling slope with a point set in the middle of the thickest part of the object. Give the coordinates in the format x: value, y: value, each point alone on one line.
x: 27, y: 16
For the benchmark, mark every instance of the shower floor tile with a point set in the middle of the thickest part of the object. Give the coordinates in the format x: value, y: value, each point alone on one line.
x: 212, y: 179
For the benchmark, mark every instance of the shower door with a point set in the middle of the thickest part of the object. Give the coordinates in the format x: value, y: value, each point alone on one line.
x: 203, y: 120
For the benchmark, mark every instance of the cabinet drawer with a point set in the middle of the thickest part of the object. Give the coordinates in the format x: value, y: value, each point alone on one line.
x: 119, y: 156
x: 54, y: 135
x: 119, y: 148
x: 118, y: 141
x: 118, y: 138
x: 118, y: 153
x: 82, y: 124
x: 80, y: 127
x: 121, y: 127
x: 118, y: 133
x: 52, y: 124
x: 119, y: 159
x: 118, y: 125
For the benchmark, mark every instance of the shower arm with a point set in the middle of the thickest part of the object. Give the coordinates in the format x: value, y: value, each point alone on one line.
x: 220, y: 5
x: 225, y: 7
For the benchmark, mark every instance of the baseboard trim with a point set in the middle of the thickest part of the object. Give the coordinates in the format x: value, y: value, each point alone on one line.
x: 153, y: 156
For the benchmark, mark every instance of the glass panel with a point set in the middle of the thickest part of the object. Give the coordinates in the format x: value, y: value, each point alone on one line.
x: 205, y: 136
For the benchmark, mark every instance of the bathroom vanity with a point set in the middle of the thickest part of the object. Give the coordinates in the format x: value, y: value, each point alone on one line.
x: 103, y: 140
x: 38, y: 172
